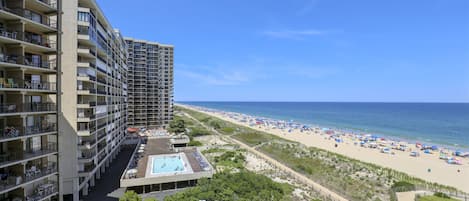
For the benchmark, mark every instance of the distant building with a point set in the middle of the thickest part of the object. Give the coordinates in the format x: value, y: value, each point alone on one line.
x: 150, y: 80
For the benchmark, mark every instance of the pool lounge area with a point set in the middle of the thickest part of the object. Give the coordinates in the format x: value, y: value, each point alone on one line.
x: 157, y: 165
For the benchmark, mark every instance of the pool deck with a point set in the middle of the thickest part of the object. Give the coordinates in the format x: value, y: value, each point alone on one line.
x: 197, y: 165
x: 160, y: 146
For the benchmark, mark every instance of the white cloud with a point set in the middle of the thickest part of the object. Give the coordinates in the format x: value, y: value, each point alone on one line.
x: 215, y: 77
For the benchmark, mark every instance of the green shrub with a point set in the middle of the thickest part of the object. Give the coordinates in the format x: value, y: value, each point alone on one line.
x: 402, y: 186
x: 441, y: 195
x: 195, y: 143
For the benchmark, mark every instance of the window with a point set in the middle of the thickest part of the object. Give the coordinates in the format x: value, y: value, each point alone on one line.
x: 83, y: 16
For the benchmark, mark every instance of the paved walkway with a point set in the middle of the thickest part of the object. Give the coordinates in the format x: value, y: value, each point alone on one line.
x: 110, y: 180
x: 322, y: 190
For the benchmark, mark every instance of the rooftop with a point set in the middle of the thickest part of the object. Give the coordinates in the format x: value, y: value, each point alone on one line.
x: 138, y: 169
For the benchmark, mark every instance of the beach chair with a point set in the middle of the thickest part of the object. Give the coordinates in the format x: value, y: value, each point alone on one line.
x: 12, y: 83
x: 11, y: 108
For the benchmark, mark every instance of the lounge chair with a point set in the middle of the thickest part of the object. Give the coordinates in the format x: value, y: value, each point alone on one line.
x: 12, y: 83
x: 11, y: 108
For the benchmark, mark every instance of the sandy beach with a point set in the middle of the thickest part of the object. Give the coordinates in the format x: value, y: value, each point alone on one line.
x: 440, y: 172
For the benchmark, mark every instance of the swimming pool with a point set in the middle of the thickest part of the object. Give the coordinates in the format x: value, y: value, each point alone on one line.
x: 168, y: 164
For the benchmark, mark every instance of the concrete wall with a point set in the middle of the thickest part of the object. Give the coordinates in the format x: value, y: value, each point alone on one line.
x: 68, y: 117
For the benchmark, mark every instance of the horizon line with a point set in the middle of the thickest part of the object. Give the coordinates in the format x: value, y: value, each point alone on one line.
x: 263, y: 101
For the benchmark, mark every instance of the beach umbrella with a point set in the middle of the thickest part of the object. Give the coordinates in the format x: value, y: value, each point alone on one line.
x: 434, y: 147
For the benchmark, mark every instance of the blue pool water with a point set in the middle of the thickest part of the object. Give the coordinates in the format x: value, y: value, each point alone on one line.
x: 167, y: 164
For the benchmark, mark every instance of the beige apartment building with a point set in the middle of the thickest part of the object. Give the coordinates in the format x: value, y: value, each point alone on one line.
x: 63, y: 96
x: 94, y: 95
x: 150, y: 80
x: 29, y: 46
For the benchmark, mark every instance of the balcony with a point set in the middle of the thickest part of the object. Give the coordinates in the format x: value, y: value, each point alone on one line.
x: 86, y: 90
x: 43, y: 191
x: 46, y: 6
x: 85, y: 118
x: 82, y: 76
x: 101, y: 80
x: 101, y: 91
x: 12, y: 84
x: 41, y: 40
x: 87, y: 169
x: 29, y: 15
x: 30, y: 42
x: 13, y: 157
x: 12, y: 132
x: 28, y: 62
x: 12, y: 108
x: 86, y: 144
x: 13, y: 181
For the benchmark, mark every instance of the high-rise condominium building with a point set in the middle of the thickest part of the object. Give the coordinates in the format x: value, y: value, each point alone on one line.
x: 150, y: 82
x: 29, y: 46
x: 93, y: 121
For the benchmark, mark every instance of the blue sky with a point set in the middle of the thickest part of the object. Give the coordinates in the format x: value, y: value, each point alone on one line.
x: 308, y: 50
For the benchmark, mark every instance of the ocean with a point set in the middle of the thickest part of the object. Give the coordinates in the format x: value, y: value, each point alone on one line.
x: 435, y: 123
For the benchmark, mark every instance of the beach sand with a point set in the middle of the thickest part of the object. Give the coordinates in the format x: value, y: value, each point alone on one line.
x: 441, y: 172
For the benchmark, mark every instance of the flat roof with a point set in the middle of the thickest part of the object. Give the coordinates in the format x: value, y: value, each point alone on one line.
x: 140, y: 164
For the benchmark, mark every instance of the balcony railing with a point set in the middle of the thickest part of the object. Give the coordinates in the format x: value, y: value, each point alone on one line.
x: 52, y: 4
x: 86, y: 155
x: 15, y: 59
x: 27, y: 84
x: 31, y: 174
x: 101, y: 80
x: 84, y: 74
x: 29, y: 15
x: 42, y: 41
x: 12, y: 131
x: 101, y: 91
x: 11, y: 157
x: 88, y: 168
x: 87, y: 143
x: 89, y: 88
x: 27, y: 107
x: 91, y: 103
x: 42, y: 191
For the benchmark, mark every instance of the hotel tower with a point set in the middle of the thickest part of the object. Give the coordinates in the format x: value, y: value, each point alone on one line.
x: 29, y: 63
x: 94, y: 95
x: 63, y: 96
x: 150, y: 82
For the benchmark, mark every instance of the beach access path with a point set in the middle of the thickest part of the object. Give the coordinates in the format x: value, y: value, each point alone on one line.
x: 300, y: 177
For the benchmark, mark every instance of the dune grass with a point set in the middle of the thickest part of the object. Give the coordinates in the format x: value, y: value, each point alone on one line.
x: 353, y: 179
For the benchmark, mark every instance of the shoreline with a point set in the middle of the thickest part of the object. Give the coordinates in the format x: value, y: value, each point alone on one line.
x: 428, y: 167
x: 392, y: 135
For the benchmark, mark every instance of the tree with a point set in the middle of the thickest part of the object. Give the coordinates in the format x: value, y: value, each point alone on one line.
x: 177, y: 126
x: 130, y: 196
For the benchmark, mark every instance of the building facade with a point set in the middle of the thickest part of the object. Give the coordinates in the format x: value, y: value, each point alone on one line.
x: 151, y: 84
x: 29, y: 63
x: 94, y: 95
